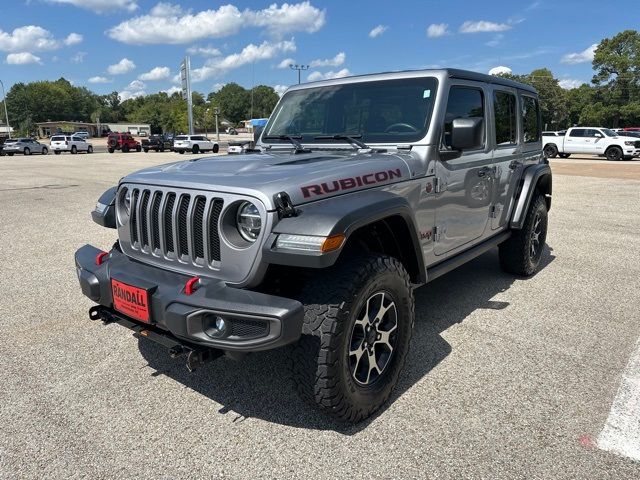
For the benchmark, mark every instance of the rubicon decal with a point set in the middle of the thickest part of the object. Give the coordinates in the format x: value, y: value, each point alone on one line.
x: 350, y: 182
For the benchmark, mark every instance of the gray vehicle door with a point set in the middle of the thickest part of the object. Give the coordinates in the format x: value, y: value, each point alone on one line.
x: 507, y: 153
x: 463, y: 196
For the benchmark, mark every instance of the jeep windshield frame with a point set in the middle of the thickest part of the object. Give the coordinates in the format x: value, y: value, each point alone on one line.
x: 390, y: 111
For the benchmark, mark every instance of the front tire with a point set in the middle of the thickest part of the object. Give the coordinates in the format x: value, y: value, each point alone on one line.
x: 521, y: 253
x: 195, y: 149
x: 45, y: 151
x: 613, y: 154
x: 74, y: 149
x: 90, y: 149
x: 27, y: 151
x: 355, y: 338
x: 216, y: 148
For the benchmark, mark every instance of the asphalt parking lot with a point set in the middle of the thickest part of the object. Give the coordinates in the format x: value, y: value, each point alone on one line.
x: 506, y: 378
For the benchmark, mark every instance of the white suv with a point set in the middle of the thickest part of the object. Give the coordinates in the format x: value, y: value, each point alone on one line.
x: 70, y: 143
x: 194, y: 144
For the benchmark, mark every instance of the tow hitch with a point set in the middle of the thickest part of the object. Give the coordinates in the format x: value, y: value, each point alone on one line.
x: 196, y: 356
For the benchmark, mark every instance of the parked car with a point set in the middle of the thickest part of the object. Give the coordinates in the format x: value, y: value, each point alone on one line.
x: 84, y: 135
x: 26, y: 146
x: 194, y: 144
x: 593, y: 141
x: 320, y: 240
x: 231, y: 131
x: 122, y: 141
x: 68, y: 143
x: 159, y: 143
x: 239, y: 147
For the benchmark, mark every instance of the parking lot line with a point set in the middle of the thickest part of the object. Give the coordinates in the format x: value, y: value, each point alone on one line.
x: 621, y: 433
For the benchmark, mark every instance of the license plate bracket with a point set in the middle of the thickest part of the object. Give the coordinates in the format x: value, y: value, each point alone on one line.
x: 131, y: 300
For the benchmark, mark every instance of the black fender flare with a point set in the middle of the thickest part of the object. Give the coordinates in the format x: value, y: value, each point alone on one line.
x: 339, y: 215
x: 105, y: 212
x: 535, y: 177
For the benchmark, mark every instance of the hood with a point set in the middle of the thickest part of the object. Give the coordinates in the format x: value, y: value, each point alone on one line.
x: 305, y: 177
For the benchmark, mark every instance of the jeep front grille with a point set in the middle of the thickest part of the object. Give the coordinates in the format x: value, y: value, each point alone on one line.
x: 176, y: 226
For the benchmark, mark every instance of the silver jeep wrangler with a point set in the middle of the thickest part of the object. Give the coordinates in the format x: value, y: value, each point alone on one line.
x: 362, y: 190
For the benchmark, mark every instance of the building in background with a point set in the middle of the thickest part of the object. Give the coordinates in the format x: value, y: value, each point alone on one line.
x: 46, y: 129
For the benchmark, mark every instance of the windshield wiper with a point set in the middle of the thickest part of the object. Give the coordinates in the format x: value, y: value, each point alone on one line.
x: 293, y: 139
x: 352, y: 139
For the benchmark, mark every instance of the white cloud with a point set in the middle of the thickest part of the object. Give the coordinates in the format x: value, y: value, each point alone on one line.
x: 169, y: 24
x: 155, y: 74
x: 32, y: 38
x: 171, y: 90
x: 483, y: 26
x: 101, y: 6
x: 208, y: 51
x: 133, y: 90
x: 123, y: 66
x: 78, y: 57
x: 73, y: 39
x: 22, y: 58
x: 330, y: 62
x: 500, y: 70
x: 569, y: 83
x: 582, y: 57
x: 286, y: 62
x: 436, y: 30
x: 280, y: 89
x: 99, y: 79
x: 377, y: 31
x: 249, y: 54
x: 315, y: 76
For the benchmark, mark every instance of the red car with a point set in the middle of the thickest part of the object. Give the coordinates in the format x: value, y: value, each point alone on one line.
x: 122, y: 141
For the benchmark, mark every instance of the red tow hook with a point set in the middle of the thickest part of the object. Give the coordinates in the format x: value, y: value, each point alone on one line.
x: 100, y: 258
x: 192, y: 285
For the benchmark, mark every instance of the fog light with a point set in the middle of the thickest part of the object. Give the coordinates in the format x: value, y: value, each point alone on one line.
x: 214, y: 326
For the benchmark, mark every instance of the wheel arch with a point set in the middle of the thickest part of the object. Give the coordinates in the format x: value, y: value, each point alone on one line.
x: 536, y: 179
x: 376, y: 221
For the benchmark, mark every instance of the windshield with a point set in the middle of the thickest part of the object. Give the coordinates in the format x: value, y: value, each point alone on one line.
x: 388, y: 111
x: 609, y: 133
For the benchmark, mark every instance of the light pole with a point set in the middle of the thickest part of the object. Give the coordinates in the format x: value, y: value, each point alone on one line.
x: 299, y: 68
x: 216, y: 112
x: 6, y: 115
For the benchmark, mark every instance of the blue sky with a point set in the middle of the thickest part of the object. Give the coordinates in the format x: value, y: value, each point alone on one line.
x: 135, y: 46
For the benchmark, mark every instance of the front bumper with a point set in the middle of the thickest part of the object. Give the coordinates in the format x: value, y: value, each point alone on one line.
x: 256, y: 321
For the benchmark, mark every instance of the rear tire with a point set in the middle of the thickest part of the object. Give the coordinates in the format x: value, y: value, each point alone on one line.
x: 57, y: 152
x: 74, y: 150
x: 125, y: 148
x: 331, y: 364
x: 521, y: 253
x: 110, y: 150
x: 146, y: 150
x: 45, y: 151
x: 613, y: 154
x: 180, y: 152
x: 27, y: 151
x: 90, y: 149
x: 550, y: 151
x: 138, y: 148
x: 216, y: 148
x: 564, y: 155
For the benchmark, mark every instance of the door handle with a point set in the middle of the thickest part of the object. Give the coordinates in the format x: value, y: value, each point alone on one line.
x: 514, y: 165
x: 483, y: 171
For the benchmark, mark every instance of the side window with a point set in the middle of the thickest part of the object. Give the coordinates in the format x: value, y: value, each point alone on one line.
x: 463, y: 102
x: 577, y: 132
x: 504, y: 108
x: 530, y: 119
x: 592, y: 133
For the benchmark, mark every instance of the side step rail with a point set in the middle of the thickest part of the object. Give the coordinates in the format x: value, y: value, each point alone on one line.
x: 196, y: 356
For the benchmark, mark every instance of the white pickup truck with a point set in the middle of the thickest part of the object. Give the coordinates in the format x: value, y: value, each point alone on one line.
x: 592, y: 141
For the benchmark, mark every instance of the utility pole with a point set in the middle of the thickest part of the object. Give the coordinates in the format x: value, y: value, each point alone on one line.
x: 185, y: 76
x: 6, y: 115
x: 299, y: 68
x: 216, y: 112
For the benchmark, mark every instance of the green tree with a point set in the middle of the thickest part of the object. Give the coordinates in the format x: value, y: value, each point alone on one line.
x: 617, y: 65
x: 234, y: 102
x: 264, y: 101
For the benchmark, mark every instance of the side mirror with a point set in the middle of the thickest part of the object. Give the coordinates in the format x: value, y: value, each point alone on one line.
x: 467, y: 133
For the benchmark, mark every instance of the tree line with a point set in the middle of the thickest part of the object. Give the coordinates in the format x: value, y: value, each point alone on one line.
x: 59, y: 100
x: 611, y: 99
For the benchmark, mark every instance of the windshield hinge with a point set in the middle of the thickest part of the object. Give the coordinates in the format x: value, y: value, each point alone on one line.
x: 284, y: 205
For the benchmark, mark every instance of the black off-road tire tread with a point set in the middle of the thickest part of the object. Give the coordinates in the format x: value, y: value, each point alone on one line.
x: 513, y: 254
x: 311, y: 374
x: 606, y: 153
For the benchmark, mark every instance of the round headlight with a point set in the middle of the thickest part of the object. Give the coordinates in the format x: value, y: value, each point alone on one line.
x: 126, y: 201
x: 248, y: 221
